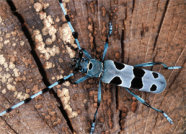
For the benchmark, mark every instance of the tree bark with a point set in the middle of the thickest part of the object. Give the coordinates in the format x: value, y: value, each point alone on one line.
x: 36, y: 47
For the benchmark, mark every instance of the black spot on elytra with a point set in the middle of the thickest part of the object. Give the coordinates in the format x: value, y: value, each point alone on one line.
x: 136, y: 83
x: 153, y: 88
x: 155, y: 75
x: 119, y: 66
x: 138, y: 72
x: 116, y: 80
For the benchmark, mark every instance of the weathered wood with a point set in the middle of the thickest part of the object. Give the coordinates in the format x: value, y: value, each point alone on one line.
x: 143, y: 31
x: 19, y: 79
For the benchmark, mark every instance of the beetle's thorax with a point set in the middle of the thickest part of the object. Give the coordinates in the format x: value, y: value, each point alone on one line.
x: 94, y: 68
x: 91, y: 67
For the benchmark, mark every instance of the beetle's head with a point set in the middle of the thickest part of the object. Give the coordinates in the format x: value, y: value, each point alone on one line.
x: 80, y: 64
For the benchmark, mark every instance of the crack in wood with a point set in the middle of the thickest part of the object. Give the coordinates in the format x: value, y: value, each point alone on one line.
x: 122, y: 60
x: 122, y: 45
x: 160, y: 25
x: 133, y: 5
x: 37, y: 60
x: 94, y: 40
x: 9, y: 126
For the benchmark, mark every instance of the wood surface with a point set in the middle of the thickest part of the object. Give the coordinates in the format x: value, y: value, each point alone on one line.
x: 36, y: 48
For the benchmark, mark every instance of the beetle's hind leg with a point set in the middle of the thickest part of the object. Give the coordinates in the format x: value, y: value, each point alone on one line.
x: 148, y: 64
x: 60, y: 81
x: 148, y: 105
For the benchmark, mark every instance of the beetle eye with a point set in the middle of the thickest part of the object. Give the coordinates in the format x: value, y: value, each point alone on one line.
x: 90, y: 66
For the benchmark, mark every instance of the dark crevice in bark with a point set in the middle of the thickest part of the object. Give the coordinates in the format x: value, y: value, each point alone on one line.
x: 159, y: 28
x: 6, y: 121
x: 133, y: 5
x: 94, y: 40
x: 62, y: 110
x: 160, y: 25
x: 116, y: 97
x: 122, y: 45
x: 122, y: 60
x: 37, y: 60
x: 120, y: 118
x: 10, y: 126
